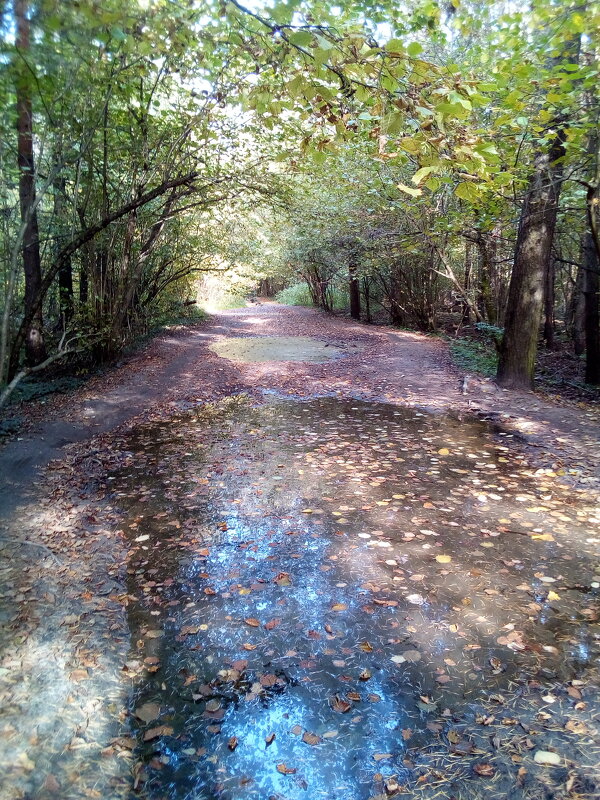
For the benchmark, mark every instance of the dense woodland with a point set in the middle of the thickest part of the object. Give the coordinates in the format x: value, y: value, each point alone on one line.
x: 407, y: 161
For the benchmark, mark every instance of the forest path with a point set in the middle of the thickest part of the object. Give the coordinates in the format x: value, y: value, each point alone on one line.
x: 325, y: 588
x: 178, y: 368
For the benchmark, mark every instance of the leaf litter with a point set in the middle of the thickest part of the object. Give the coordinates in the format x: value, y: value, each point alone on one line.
x: 250, y: 618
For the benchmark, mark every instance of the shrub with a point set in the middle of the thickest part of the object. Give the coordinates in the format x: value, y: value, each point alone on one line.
x: 295, y: 295
x: 471, y: 356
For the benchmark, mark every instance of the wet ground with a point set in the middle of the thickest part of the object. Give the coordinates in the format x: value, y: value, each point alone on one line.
x: 294, y: 596
x: 348, y: 600
x: 255, y: 349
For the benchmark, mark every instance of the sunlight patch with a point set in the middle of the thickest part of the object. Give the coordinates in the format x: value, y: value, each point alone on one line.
x: 275, y: 348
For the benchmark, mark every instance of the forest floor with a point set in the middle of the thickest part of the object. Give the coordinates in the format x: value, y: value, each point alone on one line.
x: 229, y: 575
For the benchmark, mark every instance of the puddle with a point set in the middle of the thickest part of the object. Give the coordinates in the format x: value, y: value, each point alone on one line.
x: 336, y: 599
x: 276, y: 348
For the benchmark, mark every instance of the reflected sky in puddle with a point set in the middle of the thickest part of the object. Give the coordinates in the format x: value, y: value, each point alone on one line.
x: 338, y: 574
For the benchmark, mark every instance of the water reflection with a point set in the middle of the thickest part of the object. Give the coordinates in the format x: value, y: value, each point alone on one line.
x: 319, y: 588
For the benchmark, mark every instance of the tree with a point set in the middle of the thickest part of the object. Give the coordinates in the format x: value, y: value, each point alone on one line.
x: 33, y: 334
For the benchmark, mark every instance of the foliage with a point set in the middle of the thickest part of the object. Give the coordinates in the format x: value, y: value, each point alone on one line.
x: 379, y: 150
x: 295, y: 295
x: 474, y: 356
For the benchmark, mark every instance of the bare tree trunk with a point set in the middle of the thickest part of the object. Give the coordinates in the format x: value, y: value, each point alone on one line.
x: 65, y: 273
x: 81, y: 240
x: 591, y: 312
x: 532, y: 253
x: 549, y: 301
x: 367, y: 296
x: 354, y: 292
x: 578, y: 303
x: 466, y: 312
x: 533, y: 249
x: 34, y: 337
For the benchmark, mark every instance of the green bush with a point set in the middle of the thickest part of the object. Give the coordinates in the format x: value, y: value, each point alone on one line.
x: 298, y: 295
x: 472, y: 356
x: 295, y: 295
x: 340, y: 300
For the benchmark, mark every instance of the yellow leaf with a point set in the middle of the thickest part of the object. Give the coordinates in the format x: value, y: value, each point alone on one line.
x: 442, y: 559
x: 409, y: 190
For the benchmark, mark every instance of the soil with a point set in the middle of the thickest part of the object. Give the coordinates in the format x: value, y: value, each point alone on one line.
x: 179, y: 368
x: 386, y: 574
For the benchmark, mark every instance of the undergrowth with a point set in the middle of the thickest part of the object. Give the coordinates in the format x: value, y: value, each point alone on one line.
x: 296, y: 295
x: 473, y: 356
x: 67, y: 375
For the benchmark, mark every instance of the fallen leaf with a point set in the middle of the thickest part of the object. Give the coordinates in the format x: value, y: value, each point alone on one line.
x: 147, y: 712
x: 340, y: 705
x: 546, y: 757
x: 285, y: 770
x: 79, y: 675
x: 311, y: 738
x: 160, y: 730
x: 254, y: 623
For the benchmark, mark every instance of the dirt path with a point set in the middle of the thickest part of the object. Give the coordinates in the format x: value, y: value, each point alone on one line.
x: 398, y: 366
x: 330, y: 589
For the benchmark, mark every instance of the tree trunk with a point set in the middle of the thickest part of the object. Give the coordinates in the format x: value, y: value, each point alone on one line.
x: 578, y: 308
x: 34, y: 337
x: 354, y: 292
x: 549, y: 300
x: 65, y: 273
x: 591, y: 311
x: 485, y: 281
x: 367, y: 296
x: 532, y: 253
x: 466, y: 311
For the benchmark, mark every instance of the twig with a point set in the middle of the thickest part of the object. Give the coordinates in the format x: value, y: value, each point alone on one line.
x: 13, y: 540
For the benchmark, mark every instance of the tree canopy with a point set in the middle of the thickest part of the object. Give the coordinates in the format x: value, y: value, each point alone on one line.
x: 412, y: 155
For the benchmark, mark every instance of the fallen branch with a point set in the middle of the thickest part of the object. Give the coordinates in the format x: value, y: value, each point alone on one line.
x: 43, y: 547
x: 63, y: 350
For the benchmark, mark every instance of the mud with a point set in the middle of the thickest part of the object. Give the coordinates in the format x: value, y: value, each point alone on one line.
x: 275, y: 348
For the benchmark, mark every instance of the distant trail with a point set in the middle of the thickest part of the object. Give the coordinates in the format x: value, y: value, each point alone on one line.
x: 380, y: 363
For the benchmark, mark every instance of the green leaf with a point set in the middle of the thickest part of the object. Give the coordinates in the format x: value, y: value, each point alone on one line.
x: 301, y: 38
x: 433, y: 184
x: 394, y: 46
x: 421, y: 174
x: 503, y: 179
x: 466, y: 191
x: 414, y: 48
